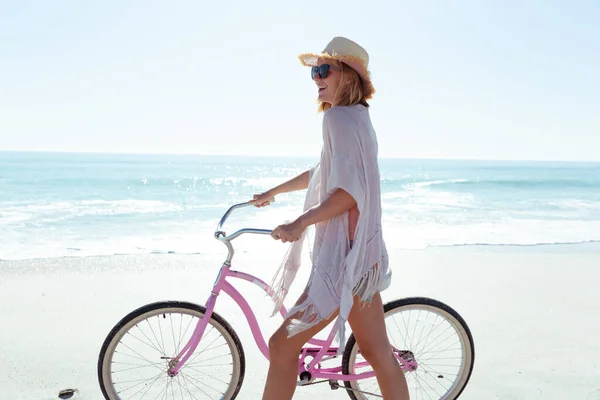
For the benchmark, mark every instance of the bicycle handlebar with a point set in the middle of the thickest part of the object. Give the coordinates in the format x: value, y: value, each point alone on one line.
x: 221, y: 235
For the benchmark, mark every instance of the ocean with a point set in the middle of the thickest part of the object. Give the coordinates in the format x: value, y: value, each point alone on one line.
x: 82, y: 204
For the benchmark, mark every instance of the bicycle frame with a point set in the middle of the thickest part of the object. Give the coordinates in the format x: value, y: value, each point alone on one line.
x: 323, y: 347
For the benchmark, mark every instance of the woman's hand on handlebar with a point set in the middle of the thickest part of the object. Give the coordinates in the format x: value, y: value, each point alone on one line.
x: 263, y: 199
x: 289, y: 231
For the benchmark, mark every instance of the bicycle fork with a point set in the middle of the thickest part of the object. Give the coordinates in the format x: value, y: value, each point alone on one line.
x: 177, y: 363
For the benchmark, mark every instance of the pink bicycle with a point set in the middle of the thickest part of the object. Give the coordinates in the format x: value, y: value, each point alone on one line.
x: 174, y: 349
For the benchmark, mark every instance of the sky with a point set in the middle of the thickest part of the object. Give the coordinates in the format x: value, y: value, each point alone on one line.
x: 464, y: 79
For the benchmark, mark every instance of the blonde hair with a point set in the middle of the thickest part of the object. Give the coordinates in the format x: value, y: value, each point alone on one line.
x: 350, y: 90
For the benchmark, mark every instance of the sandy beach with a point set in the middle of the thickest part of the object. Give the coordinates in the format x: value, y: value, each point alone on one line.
x: 533, y: 312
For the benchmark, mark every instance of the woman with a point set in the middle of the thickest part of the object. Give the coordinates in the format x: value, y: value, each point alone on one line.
x: 349, y: 257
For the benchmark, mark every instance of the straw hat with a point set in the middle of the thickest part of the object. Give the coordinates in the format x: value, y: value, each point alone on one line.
x: 348, y: 52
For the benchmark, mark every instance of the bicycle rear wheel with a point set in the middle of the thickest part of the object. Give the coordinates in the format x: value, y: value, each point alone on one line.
x: 135, y: 356
x: 441, y: 344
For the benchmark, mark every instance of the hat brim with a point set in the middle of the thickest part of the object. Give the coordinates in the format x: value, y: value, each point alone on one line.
x: 311, y: 60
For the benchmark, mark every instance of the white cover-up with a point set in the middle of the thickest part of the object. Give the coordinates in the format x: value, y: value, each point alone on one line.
x: 349, y: 162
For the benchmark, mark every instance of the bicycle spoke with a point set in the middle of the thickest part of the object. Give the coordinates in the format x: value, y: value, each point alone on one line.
x: 161, y: 390
x: 196, y: 386
x: 406, y: 325
x: 154, y: 334
x: 416, y: 348
x: 141, y: 357
x: 415, y: 328
x: 209, y: 375
x: 421, y: 333
x: 151, y: 345
x: 192, y: 397
x: 161, y: 335
x: 173, y: 333
x: 449, y: 348
x: 417, y: 380
x: 214, y: 358
x: 182, y: 335
x: 431, y: 387
x: 399, y: 330
x: 155, y: 379
x: 134, y: 368
x: 430, y: 346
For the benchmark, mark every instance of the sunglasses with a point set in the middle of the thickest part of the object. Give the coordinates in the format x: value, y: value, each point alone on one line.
x: 322, y: 70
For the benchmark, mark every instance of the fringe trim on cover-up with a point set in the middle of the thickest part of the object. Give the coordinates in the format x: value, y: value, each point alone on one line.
x: 365, y: 289
x: 368, y: 285
x: 286, y: 273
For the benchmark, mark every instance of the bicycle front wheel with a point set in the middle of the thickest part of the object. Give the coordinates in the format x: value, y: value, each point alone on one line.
x: 437, y: 338
x: 137, y: 353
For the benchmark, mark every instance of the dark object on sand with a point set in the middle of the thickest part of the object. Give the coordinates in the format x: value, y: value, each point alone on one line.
x: 66, y: 393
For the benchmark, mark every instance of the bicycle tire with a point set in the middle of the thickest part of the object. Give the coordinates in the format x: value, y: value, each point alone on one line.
x: 351, y: 348
x: 162, y: 308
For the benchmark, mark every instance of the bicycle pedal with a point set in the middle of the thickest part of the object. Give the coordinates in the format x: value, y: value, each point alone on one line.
x: 305, y: 378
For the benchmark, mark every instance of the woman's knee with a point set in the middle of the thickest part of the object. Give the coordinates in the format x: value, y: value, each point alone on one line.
x: 281, y: 347
x: 378, y: 357
x: 376, y: 354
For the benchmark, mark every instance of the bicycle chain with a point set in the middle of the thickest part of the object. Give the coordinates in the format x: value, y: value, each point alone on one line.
x: 335, y: 385
x: 314, y: 383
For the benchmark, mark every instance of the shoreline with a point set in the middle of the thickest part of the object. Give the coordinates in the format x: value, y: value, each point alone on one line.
x: 591, y: 246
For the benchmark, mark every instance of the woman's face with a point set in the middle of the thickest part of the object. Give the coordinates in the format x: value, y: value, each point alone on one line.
x: 328, y: 86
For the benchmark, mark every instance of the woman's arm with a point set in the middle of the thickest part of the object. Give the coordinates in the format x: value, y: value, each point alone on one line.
x: 299, y: 182
x: 335, y: 204
x: 339, y: 202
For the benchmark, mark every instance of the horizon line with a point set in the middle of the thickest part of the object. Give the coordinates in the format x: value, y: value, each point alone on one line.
x: 385, y: 157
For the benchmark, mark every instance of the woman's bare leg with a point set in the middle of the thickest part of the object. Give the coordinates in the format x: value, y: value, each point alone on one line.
x: 368, y: 326
x: 283, y: 354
